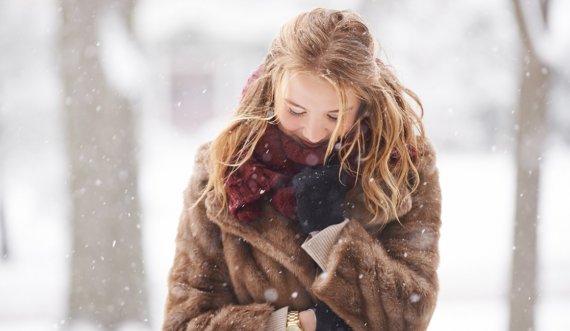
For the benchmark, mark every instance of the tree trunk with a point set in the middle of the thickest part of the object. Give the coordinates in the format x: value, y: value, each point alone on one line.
x: 530, y: 135
x: 3, y: 230
x: 107, y: 266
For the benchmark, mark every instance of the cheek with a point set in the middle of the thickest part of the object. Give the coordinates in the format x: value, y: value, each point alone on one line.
x: 287, y: 121
x: 348, y: 122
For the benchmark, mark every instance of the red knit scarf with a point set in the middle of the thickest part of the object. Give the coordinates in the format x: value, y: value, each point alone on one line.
x: 268, y: 174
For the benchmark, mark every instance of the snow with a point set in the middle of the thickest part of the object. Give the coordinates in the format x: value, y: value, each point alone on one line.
x: 478, y: 187
x: 475, y: 241
x: 271, y: 295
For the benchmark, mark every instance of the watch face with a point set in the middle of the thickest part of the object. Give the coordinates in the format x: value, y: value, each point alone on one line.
x: 293, y: 328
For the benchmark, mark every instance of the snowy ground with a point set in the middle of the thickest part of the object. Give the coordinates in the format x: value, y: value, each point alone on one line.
x: 477, y: 188
x: 475, y: 242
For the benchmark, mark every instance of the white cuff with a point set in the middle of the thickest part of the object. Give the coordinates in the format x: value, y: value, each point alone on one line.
x: 278, y: 320
x: 318, y: 246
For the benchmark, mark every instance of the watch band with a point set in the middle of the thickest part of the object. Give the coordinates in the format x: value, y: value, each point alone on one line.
x: 293, y: 323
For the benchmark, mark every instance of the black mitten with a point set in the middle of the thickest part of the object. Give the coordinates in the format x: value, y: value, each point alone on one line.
x: 319, y: 196
x: 327, y: 320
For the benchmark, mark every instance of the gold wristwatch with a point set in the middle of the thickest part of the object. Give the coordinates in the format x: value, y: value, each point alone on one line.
x: 293, y: 323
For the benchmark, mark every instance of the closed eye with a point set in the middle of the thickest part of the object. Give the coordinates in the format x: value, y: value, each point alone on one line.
x: 294, y: 113
x: 332, y: 117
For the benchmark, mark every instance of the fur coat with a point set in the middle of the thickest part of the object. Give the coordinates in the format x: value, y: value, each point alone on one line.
x: 231, y: 275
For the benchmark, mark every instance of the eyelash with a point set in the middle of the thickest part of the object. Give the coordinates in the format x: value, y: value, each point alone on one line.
x: 295, y: 113
x: 334, y: 119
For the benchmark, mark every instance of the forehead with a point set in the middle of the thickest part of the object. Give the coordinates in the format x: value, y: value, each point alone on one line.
x: 311, y: 91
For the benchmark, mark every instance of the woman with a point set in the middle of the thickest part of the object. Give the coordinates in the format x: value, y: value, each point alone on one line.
x: 318, y: 207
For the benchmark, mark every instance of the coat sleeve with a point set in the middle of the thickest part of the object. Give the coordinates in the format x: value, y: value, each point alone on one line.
x: 200, y: 295
x: 388, y: 281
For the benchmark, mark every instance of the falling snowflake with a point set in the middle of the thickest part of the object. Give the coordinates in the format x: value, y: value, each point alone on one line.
x: 271, y: 295
x: 414, y: 297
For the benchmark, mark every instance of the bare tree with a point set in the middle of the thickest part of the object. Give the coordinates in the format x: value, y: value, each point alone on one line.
x: 107, y: 266
x: 4, y: 253
x: 3, y: 229
x: 530, y: 134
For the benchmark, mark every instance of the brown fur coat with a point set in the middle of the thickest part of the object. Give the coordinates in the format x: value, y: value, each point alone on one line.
x: 229, y: 275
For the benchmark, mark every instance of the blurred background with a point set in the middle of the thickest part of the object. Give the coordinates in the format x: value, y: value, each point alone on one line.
x: 104, y: 103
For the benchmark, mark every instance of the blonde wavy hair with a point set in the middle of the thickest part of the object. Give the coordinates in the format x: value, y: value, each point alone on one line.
x: 338, y: 46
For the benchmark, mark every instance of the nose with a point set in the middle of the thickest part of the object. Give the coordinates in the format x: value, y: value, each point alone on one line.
x: 314, y: 132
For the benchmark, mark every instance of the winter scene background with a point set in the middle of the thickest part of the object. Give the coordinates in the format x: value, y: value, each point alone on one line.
x: 180, y: 67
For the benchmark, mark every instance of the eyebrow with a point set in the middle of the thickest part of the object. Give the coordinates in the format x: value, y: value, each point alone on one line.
x: 298, y: 105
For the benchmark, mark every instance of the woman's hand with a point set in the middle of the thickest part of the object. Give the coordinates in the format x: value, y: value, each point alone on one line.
x: 319, y: 195
x: 308, y: 320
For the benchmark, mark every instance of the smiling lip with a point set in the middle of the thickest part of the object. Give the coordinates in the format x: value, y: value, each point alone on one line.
x: 312, y: 145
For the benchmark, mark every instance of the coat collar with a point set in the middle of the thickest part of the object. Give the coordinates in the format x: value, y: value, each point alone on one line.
x: 273, y: 234
x: 278, y: 237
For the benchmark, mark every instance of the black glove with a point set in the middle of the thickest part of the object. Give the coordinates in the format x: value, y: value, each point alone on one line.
x: 327, y: 320
x: 319, y: 196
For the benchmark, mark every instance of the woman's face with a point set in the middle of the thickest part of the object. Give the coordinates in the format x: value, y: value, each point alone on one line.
x: 307, y: 108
